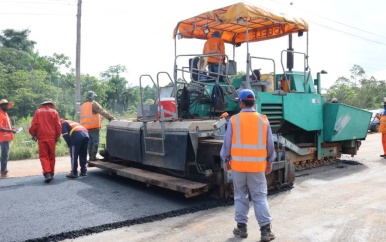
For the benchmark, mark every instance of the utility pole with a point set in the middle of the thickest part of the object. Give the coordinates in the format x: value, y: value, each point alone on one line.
x: 77, y: 65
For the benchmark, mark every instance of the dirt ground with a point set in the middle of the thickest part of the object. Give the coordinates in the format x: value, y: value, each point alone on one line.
x: 32, y: 167
x: 342, y: 202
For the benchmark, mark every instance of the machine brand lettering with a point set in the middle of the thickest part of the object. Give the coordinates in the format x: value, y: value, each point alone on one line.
x: 269, y: 31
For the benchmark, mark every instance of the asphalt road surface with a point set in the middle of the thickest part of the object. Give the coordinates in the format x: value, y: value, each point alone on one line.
x: 33, y: 210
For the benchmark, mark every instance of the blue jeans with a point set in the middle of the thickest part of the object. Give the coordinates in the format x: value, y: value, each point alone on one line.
x: 79, y: 150
x: 4, y: 154
x: 93, y: 137
x: 93, y: 143
x: 217, y: 69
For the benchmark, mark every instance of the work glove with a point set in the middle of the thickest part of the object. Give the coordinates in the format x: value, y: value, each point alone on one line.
x: 34, y: 138
x: 224, y: 115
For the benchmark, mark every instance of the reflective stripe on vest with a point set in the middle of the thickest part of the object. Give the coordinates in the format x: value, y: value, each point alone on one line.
x: 249, y: 142
x: 74, y: 126
x: 87, y: 118
x: 73, y: 129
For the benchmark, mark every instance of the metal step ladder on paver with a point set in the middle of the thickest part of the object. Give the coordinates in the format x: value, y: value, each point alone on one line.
x: 154, y: 113
x: 157, y: 139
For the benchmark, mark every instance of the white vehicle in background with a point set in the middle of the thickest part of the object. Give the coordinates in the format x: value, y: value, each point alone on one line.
x: 374, y: 124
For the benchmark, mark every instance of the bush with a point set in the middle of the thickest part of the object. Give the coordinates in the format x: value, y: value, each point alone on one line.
x: 62, y: 148
x: 22, y: 147
x: 20, y: 153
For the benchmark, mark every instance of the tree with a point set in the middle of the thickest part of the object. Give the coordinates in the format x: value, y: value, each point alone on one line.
x: 356, y: 72
x: 368, y: 94
x: 17, y: 40
x: 340, y: 90
x: 117, y: 93
x: 14, y: 59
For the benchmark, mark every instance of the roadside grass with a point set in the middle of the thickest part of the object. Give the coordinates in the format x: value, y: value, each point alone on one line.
x: 22, y: 147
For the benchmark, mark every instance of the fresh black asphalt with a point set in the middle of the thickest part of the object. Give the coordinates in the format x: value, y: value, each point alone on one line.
x: 31, y: 210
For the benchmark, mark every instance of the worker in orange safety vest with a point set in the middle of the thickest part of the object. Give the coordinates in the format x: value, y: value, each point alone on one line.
x: 248, y: 150
x: 215, y: 48
x: 382, y: 128
x: 90, y: 118
x: 76, y: 137
x: 6, y: 134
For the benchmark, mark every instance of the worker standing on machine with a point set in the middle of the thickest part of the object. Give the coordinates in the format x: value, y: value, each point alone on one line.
x: 215, y: 45
x: 248, y: 150
x: 90, y: 118
x: 382, y: 128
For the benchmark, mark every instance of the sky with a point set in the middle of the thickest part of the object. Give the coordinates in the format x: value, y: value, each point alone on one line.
x: 138, y: 34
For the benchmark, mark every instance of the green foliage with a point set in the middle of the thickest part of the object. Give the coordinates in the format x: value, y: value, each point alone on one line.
x: 26, y: 78
x: 21, y: 153
x: 22, y: 147
x: 17, y: 40
x: 62, y: 148
x: 117, y: 91
x: 358, y: 91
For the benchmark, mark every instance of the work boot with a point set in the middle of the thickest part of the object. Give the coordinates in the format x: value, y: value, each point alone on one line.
x: 94, y: 153
x: 4, y: 173
x: 266, y: 233
x: 89, y: 152
x: 241, y: 230
x: 47, y: 177
x: 92, y: 158
x: 72, y: 175
x: 83, y: 174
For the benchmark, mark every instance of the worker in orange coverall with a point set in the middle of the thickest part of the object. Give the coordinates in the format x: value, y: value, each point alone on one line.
x: 46, y: 129
x: 382, y: 128
x: 215, y: 46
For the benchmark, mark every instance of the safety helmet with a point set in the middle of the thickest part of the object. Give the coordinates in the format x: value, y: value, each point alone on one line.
x: 91, y: 95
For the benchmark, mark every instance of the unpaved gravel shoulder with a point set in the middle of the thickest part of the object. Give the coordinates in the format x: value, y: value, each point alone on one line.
x: 33, y: 167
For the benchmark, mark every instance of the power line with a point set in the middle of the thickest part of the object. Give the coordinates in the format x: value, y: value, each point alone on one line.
x: 314, y: 14
x: 34, y: 6
x: 325, y: 26
x: 360, y: 37
x: 34, y: 2
x: 49, y: 3
x: 53, y: 14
